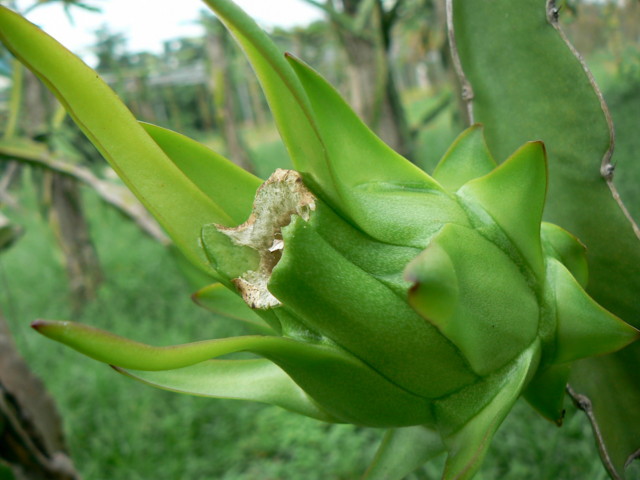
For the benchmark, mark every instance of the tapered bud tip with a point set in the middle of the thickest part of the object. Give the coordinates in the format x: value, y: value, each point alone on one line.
x: 434, y: 293
x: 539, y: 143
x: 38, y: 324
x: 43, y: 325
x: 195, y: 297
x: 585, y: 328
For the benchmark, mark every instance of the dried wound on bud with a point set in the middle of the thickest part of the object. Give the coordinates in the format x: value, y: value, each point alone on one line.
x: 277, y: 200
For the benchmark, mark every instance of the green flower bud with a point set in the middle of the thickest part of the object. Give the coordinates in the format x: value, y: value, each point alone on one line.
x: 386, y: 297
x: 495, y: 309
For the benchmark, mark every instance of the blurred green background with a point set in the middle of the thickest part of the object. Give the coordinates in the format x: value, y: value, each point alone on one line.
x: 119, y: 429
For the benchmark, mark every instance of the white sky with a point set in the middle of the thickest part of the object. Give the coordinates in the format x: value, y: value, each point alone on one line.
x: 147, y: 23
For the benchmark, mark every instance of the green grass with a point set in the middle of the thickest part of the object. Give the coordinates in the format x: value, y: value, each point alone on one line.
x: 119, y: 429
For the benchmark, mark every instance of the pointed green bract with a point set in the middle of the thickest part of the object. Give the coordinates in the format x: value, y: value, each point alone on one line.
x: 563, y: 246
x: 122, y: 352
x: 513, y: 194
x: 403, y: 215
x: 356, y: 154
x: 468, y: 445
x: 402, y: 451
x: 467, y: 158
x: 384, y: 194
x: 257, y: 380
x: 357, y: 394
x: 419, y: 359
x: 546, y: 391
x: 227, y: 259
x: 220, y: 300
x: 229, y: 186
x: 584, y: 328
x: 460, y: 285
x: 287, y: 99
x: 178, y: 204
x: 435, y: 293
x: 382, y: 261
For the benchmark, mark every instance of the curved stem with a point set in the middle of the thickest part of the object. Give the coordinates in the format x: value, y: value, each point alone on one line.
x: 466, y: 88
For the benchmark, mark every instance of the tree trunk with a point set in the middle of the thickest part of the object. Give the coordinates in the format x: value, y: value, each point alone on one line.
x: 204, y: 108
x: 66, y: 216
x: 372, y: 89
x: 31, y: 437
x: 70, y: 227
x: 37, y: 107
x: 257, y: 107
x: 218, y: 50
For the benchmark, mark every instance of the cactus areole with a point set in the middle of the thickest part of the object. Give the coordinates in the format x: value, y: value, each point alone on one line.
x: 390, y: 297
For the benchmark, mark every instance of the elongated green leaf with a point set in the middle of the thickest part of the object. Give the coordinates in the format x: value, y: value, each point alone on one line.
x: 356, y: 154
x: 122, y: 352
x: 220, y: 300
x: 528, y: 84
x: 287, y: 99
x: 468, y: 445
x: 228, y: 185
x: 402, y: 451
x: 180, y: 207
x: 356, y: 393
x: 386, y: 196
x: 257, y: 380
x: 195, y: 277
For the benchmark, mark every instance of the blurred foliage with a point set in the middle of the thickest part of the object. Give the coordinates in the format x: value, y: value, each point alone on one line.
x: 240, y: 441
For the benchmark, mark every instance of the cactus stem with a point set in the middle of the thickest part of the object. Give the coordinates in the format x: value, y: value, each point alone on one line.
x: 466, y: 88
x: 583, y: 403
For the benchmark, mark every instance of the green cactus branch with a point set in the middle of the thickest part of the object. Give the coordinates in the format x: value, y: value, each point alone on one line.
x: 466, y: 90
x: 582, y: 402
x: 541, y: 83
x: 607, y: 167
